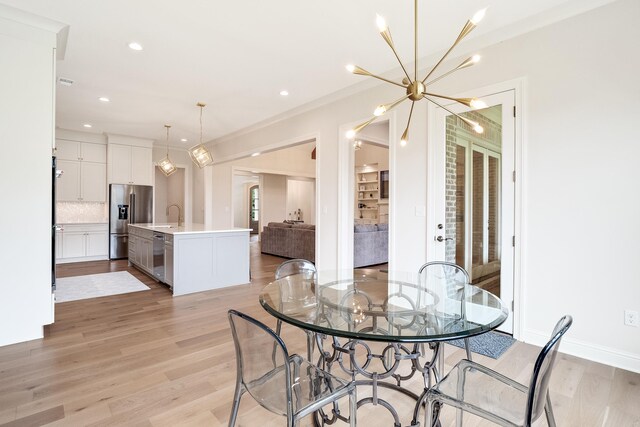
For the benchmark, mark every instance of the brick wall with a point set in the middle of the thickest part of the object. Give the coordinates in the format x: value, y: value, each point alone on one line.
x: 455, y: 184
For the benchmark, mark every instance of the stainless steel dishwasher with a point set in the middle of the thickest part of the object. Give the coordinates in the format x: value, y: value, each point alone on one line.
x: 158, y: 256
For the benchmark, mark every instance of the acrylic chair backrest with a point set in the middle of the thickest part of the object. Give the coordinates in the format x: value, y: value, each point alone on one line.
x: 295, y: 266
x: 447, y: 280
x: 542, y: 371
x: 255, y: 367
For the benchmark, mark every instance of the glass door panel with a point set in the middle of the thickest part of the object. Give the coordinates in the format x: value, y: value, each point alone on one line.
x: 471, y: 188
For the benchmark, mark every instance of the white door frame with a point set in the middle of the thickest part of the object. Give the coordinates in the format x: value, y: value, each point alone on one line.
x: 433, y: 217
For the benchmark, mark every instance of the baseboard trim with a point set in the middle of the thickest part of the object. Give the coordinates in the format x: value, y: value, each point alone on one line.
x: 82, y: 259
x: 589, y: 351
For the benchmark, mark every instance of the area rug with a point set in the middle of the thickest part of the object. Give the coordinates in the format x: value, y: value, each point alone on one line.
x: 97, y: 285
x: 491, y: 344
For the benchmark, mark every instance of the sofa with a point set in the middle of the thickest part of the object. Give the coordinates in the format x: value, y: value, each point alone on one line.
x: 370, y: 242
x: 286, y: 240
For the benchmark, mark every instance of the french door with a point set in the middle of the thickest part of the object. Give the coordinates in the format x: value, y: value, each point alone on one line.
x: 471, y: 194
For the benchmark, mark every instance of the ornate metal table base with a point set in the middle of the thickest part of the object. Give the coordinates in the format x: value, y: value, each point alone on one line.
x: 345, y: 357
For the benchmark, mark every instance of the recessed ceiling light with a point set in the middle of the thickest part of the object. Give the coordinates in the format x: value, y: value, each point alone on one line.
x: 135, y: 46
x: 284, y: 93
x: 184, y: 140
x: 255, y: 154
x: 87, y: 125
x: 104, y: 99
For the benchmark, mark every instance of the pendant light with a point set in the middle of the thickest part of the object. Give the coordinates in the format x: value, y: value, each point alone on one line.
x: 166, y: 165
x: 199, y: 153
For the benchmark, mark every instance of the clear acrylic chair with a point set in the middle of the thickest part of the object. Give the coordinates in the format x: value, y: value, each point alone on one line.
x: 308, y: 270
x: 450, y: 281
x: 288, y: 385
x: 484, y: 392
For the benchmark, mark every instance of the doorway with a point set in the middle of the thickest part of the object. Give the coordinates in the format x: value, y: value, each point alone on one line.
x: 254, y: 209
x: 474, y: 194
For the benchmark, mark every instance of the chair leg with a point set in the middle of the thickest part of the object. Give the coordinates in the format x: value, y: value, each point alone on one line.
x: 467, y: 348
x: 273, y: 353
x: 548, y: 409
x: 236, y: 404
x: 353, y: 407
x: 428, y: 412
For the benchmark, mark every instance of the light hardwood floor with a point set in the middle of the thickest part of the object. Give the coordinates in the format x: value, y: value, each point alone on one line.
x: 148, y: 359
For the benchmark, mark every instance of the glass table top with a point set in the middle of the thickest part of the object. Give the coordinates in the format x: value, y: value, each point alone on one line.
x: 389, y: 307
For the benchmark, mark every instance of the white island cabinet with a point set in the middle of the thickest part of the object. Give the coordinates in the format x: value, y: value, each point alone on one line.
x: 192, y: 257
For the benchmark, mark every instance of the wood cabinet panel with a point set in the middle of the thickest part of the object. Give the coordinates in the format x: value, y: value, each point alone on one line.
x: 68, y: 185
x: 93, y: 182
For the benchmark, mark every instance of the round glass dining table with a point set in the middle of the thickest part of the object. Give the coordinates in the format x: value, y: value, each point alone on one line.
x: 382, y: 306
x: 401, y: 309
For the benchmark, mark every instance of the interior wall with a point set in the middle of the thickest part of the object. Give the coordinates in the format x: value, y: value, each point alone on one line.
x: 160, y: 193
x: 576, y: 171
x: 198, y: 195
x: 274, y: 189
x: 301, y: 194
x: 26, y: 142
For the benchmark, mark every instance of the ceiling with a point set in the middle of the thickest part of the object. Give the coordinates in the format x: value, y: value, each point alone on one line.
x: 236, y: 56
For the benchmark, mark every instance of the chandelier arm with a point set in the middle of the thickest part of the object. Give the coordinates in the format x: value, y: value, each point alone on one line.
x: 415, y: 40
x: 446, y: 109
x: 464, y: 101
x: 388, y: 81
x: 441, y: 77
x: 387, y: 37
x: 392, y: 105
x: 410, y: 114
x: 440, y: 62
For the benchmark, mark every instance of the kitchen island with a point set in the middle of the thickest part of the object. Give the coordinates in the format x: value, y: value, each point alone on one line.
x: 190, y: 258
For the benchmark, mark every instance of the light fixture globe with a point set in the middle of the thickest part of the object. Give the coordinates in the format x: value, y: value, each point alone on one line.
x: 199, y: 154
x: 416, y: 88
x: 166, y: 166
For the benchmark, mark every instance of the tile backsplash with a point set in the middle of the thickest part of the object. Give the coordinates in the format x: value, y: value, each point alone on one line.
x: 87, y: 212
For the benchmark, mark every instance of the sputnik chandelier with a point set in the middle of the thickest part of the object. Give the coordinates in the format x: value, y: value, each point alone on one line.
x: 416, y: 89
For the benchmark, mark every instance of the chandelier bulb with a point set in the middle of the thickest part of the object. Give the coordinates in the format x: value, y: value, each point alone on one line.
x: 351, y: 68
x: 380, y: 110
x: 478, y: 128
x: 477, y: 17
x: 477, y: 104
x: 381, y: 23
x: 405, y: 137
x: 350, y: 134
x: 475, y: 59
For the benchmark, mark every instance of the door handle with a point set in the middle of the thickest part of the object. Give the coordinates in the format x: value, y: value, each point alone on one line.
x: 442, y: 239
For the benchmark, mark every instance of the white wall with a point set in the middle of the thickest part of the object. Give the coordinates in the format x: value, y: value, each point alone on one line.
x: 301, y: 194
x: 168, y: 191
x: 580, y: 148
x: 274, y: 189
x: 26, y: 141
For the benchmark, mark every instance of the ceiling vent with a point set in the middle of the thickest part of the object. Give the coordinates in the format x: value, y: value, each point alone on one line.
x: 65, y: 82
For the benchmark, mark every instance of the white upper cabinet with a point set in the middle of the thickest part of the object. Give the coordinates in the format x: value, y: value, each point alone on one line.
x: 84, y: 168
x: 142, y: 165
x: 129, y: 161
x: 81, y: 151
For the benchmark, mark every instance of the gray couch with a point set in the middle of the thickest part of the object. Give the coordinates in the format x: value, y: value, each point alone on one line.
x: 370, y: 242
x: 289, y: 240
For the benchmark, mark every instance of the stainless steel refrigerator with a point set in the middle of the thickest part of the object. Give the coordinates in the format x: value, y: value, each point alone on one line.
x: 128, y: 204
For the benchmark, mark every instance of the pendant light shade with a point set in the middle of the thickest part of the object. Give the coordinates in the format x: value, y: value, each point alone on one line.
x: 200, y: 155
x: 166, y: 165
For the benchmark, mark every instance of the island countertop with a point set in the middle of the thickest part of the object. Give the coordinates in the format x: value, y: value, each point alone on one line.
x: 191, y: 228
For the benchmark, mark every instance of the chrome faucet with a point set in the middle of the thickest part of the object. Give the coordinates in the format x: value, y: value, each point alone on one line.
x: 179, y: 212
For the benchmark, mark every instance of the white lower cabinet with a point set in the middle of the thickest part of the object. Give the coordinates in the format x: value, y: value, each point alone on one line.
x: 168, y: 261
x: 82, y: 242
x: 141, y: 249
